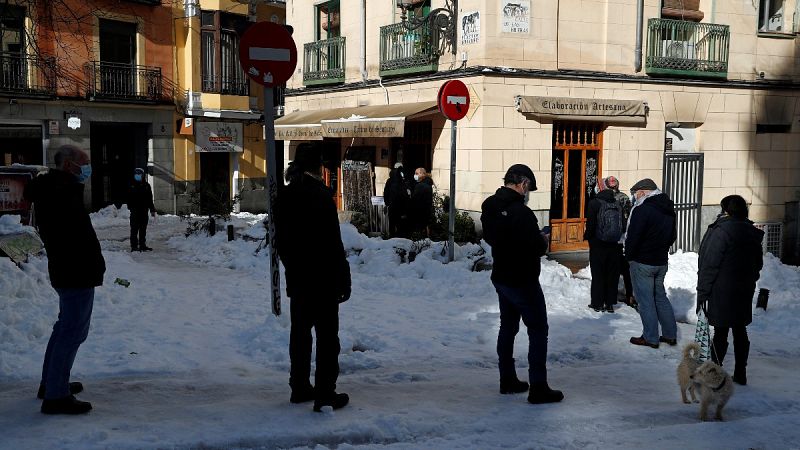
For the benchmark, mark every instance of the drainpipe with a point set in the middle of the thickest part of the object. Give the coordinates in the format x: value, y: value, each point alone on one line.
x: 363, y: 59
x: 639, y: 20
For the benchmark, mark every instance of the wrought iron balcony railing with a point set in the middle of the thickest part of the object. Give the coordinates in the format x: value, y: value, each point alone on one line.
x: 226, y: 85
x: 27, y: 75
x: 126, y: 82
x: 406, y: 51
x: 687, y: 49
x: 324, y: 61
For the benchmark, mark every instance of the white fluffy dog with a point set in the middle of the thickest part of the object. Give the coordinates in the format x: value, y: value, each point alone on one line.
x: 686, y: 368
x: 716, y: 387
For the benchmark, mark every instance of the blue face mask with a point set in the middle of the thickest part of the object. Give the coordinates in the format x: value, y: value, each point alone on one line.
x: 86, y: 172
x: 137, y: 177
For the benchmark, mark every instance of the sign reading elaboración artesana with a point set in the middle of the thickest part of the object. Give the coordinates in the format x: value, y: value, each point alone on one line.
x: 589, y: 109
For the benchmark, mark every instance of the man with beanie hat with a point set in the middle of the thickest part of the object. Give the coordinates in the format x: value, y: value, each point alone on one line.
x: 651, y: 231
x: 140, y: 202
x: 512, y: 230
x: 309, y: 244
x: 625, y: 204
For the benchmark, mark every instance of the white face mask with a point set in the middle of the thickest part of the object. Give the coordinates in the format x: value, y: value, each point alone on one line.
x: 597, y: 189
x: 416, y: 177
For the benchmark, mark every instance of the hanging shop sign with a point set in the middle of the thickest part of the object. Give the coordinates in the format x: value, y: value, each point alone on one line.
x: 583, y: 109
x: 218, y: 137
x: 470, y: 28
x: 302, y: 132
x: 362, y: 127
x: 516, y: 16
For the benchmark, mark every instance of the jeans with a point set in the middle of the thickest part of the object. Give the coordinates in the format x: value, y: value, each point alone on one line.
x: 526, y: 302
x: 323, y: 316
x: 654, y: 306
x: 69, y: 332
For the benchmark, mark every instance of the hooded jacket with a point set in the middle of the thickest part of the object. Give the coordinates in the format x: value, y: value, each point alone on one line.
x: 512, y: 230
x: 74, y: 259
x: 728, y: 267
x: 651, y: 231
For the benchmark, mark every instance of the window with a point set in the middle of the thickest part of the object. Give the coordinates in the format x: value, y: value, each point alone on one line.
x: 219, y: 53
x: 328, y: 20
x: 11, y: 28
x: 773, y: 128
x: 770, y: 15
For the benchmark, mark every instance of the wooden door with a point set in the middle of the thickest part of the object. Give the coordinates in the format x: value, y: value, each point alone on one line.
x: 577, y: 157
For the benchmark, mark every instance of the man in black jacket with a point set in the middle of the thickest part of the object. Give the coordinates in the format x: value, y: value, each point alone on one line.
x: 317, y: 277
x: 140, y: 202
x: 512, y: 230
x: 397, y: 199
x: 76, y: 267
x: 422, y: 201
x: 651, y: 232
x: 728, y: 267
x: 603, y: 231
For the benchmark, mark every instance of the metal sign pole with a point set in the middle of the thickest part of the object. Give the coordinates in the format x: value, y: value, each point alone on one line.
x: 272, y: 194
x: 452, y: 226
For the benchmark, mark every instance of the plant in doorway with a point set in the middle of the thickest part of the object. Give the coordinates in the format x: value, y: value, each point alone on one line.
x: 213, y: 204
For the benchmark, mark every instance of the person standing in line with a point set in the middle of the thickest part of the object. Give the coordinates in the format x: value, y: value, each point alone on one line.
x: 140, y: 202
x: 309, y: 244
x: 651, y: 232
x: 603, y: 231
x: 512, y: 230
x: 397, y: 199
x: 422, y: 201
x: 76, y: 266
x: 729, y: 264
x: 625, y: 205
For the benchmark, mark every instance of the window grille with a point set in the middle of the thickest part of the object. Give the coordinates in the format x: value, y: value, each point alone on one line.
x: 773, y: 237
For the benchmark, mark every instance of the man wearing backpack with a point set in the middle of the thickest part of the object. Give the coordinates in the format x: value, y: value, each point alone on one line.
x: 604, y: 226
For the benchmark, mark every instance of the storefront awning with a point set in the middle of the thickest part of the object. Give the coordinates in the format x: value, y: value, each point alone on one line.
x: 362, y: 121
x: 583, y: 109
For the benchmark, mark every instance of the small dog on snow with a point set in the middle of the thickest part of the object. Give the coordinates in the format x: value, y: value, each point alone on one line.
x: 690, y: 363
x: 716, y: 387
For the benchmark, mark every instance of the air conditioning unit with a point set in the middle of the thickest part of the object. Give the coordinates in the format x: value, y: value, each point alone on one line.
x: 678, y: 49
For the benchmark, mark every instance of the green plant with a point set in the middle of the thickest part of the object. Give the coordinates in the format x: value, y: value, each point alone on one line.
x: 361, y: 222
x: 464, y: 226
x: 213, y: 203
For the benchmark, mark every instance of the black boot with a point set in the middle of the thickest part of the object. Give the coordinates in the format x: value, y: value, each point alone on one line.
x: 75, y: 387
x: 512, y: 386
x: 741, y: 351
x: 66, y: 405
x: 302, y: 394
x: 541, y: 393
x: 335, y: 401
x: 145, y: 248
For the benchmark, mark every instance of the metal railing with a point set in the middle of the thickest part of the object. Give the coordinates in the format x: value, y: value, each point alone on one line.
x: 683, y: 48
x: 27, y: 75
x: 404, y: 51
x: 119, y: 81
x: 324, y: 61
x: 773, y: 237
x: 226, y: 86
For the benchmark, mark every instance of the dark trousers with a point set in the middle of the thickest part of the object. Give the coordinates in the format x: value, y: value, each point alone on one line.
x: 321, y: 314
x: 604, y: 264
x: 69, y: 332
x: 625, y: 270
x: 138, y: 229
x: 527, y: 303
x: 741, y: 347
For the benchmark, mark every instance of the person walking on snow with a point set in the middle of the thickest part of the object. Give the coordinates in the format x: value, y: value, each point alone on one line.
x: 650, y: 234
x: 76, y: 266
x: 604, y: 226
x: 309, y: 244
x: 140, y: 201
x: 512, y: 230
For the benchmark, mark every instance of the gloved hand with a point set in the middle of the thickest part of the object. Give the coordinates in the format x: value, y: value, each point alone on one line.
x: 701, y: 304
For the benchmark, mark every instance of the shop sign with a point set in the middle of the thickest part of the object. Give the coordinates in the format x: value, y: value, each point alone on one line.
x: 471, y: 27
x: 218, y: 137
x: 584, y: 108
x: 74, y: 122
x: 53, y: 127
x: 516, y: 16
x: 312, y: 132
x: 391, y: 127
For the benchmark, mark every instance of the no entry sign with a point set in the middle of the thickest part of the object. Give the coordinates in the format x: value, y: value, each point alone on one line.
x: 454, y: 100
x: 268, y: 54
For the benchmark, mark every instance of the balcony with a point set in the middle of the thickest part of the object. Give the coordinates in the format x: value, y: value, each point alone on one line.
x: 687, y: 49
x: 226, y: 85
x: 124, y: 82
x: 27, y: 75
x: 324, y: 62
x: 405, y: 52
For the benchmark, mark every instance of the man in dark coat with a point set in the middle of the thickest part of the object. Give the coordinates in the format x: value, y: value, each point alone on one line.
x: 397, y: 199
x: 728, y: 267
x: 140, y: 202
x: 422, y: 201
x: 512, y: 230
x: 624, y: 203
x: 603, y: 252
x: 651, y: 232
x: 317, y: 277
x: 76, y: 267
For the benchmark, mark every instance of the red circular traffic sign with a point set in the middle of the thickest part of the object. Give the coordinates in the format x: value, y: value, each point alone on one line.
x: 454, y: 100
x: 268, y: 54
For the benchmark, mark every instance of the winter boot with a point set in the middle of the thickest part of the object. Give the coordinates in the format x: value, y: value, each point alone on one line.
x: 334, y: 400
x: 741, y: 351
x: 75, y: 387
x: 541, y: 393
x: 512, y: 386
x: 302, y: 394
x: 145, y: 248
x: 65, y: 405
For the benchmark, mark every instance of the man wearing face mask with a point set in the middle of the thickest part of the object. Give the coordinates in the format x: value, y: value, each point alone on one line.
x: 512, y: 230
x: 422, y: 201
x: 140, y: 201
x: 76, y: 267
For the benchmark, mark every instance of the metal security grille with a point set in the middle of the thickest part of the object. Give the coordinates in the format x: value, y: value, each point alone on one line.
x: 773, y: 237
x: 683, y: 182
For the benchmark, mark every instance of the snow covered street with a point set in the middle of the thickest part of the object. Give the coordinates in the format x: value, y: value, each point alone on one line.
x: 191, y: 356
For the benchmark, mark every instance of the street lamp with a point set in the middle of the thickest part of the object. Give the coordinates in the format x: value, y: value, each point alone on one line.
x: 442, y: 22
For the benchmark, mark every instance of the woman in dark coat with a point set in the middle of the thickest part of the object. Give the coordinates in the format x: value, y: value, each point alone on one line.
x: 729, y: 264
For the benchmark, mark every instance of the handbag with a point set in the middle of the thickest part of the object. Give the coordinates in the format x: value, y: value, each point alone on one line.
x: 702, y: 335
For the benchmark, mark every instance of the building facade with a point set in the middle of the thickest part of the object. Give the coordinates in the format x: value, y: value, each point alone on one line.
x: 702, y: 98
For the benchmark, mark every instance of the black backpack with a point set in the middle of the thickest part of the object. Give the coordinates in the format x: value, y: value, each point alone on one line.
x: 609, y: 222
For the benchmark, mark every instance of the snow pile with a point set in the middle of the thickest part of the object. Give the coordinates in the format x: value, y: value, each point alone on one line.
x: 111, y: 216
x: 11, y: 223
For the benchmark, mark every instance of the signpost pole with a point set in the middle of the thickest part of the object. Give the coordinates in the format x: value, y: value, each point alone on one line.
x: 452, y: 215
x: 272, y: 194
